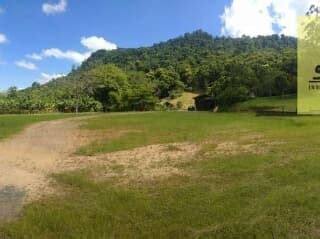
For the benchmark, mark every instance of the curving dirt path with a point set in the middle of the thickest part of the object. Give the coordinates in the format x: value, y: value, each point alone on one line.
x: 27, y: 159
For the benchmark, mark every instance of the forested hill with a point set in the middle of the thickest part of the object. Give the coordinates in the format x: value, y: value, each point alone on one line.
x: 192, y: 48
x: 229, y: 69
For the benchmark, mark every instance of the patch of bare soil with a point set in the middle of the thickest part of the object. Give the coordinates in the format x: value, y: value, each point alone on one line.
x: 140, y: 164
x: 163, y: 160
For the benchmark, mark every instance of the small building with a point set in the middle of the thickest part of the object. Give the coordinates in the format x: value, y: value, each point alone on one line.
x: 168, y: 105
x: 204, y: 103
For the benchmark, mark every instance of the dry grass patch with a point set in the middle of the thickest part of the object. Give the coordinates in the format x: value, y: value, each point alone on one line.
x: 247, y: 144
x: 164, y: 160
x: 140, y: 164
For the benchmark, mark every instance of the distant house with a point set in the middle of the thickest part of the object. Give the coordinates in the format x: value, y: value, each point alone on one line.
x: 204, y: 103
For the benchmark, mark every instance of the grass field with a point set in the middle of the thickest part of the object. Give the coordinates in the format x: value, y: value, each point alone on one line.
x: 253, y: 177
x: 287, y: 103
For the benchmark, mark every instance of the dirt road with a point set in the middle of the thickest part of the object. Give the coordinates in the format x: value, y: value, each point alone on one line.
x: 28, y: 158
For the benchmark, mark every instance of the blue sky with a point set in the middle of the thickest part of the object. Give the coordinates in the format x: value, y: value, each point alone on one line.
x: 127, y: 23
x: 61, y: 33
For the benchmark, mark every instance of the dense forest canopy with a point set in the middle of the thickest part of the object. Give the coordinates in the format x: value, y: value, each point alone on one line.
x: 228, y: 69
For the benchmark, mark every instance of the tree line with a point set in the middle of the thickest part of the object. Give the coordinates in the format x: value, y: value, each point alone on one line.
x: 230, y: 70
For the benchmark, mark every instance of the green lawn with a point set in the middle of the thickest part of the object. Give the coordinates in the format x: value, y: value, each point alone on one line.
x: 287, y: 103
x: 272, y: 193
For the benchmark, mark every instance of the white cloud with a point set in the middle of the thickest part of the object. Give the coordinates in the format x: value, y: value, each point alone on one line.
x: 35, y: 56
x: 263, y: 17
x: 26, y: 65
x: 3, y: 38
x: 52, y: 9
x: 45, y: 78
x: 95, y: 43
x: 74, y: 56
x: 91, y: 43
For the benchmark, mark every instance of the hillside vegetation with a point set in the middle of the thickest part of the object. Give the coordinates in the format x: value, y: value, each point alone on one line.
x: 229, y: 69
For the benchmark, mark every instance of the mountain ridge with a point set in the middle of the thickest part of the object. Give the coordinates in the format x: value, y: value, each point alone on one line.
x: 197, y: 39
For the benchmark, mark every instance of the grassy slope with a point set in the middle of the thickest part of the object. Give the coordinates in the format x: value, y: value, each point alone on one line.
x: 288, y: 103
x: 270, y: 195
